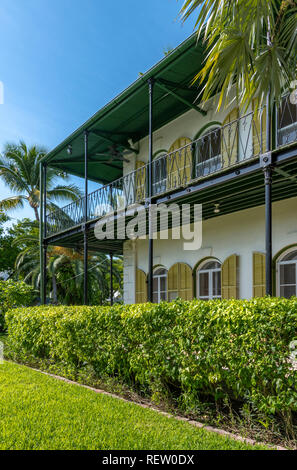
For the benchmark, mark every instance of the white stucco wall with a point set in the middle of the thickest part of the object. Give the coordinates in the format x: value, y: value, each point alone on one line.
x: 239, y: 233
x: 129, y: 271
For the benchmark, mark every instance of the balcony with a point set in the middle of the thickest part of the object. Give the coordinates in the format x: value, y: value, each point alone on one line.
x: 234, y: 144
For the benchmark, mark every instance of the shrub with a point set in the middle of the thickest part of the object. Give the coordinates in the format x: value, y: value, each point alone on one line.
x: 226, y: 349
x: 13, y: 294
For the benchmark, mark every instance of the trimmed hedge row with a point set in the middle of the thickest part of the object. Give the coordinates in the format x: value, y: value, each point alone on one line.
x: 14, y: 294
x: 235, y: 349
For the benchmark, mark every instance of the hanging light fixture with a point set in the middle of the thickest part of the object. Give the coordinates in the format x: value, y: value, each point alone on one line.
x: 217, y: 208
x: 69, y: 149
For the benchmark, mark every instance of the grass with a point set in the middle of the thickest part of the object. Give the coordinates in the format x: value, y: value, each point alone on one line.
x: 40, y: 412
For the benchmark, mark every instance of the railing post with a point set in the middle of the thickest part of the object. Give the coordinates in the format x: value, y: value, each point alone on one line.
x: 111, y: 279
x: 150, y: 191
x: 86, y: 134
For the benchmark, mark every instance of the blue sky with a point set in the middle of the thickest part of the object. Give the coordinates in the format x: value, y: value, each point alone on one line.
x: 62, y: 60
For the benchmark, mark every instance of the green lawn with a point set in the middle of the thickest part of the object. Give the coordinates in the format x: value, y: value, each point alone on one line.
x: 40, y: 412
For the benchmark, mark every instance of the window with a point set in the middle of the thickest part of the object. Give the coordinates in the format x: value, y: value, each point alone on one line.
x: 287, y: 274
x: 287, y: 122
x: 208, y: 152
x: 159, y: 169
x: 159, y: 285
x: 209, y: 280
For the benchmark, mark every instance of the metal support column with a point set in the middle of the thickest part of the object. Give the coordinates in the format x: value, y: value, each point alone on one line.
x: 44, y: 254
x: 267, y: 161
x: 44, y: 234
x: 268, y: 229
x: 111, y: 279
x: 86, y: 135
x: 150, y: 192
x: 41, y: 258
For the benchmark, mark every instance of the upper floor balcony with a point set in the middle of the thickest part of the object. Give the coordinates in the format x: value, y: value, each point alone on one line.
x: 236, y: 143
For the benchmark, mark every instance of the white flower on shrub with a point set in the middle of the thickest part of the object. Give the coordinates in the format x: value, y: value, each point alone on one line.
x: 293, y: 355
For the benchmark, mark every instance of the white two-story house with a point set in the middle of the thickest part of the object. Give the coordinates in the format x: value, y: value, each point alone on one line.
x: 156, y: 143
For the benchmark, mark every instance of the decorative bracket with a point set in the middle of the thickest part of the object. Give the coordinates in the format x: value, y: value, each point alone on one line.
x: 266, y: 159
x: 164, y: 87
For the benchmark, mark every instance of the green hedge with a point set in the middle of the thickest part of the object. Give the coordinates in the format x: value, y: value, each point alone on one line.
x: 14, y: 294
x: 236, y: 349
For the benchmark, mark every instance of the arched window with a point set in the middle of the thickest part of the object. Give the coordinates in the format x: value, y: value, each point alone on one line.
x: 208, y: 152
x: 159, y: 284
x: 287, y: 122
x: 209, y: 280
x: 287, y: 274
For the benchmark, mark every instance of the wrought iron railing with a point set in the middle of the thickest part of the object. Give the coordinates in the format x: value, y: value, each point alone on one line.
x: 221, y: 148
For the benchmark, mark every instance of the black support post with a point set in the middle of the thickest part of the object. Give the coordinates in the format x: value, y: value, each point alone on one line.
x: 44, y: 234
x: 41, y: 232
x: 44, y: 254
x: 267, y: 160
x: 44, y: 200
x: 111, y: 279
x: 86, y: 135
x: 150, y: 192
x: 268, y: 229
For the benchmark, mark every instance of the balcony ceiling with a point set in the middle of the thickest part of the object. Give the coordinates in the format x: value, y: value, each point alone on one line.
x: 126, y: 116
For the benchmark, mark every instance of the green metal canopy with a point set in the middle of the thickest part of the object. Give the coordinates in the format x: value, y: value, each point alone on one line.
x: 125, y: 118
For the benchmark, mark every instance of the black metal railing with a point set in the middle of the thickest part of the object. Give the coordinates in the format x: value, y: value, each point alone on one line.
x: 219, y: 149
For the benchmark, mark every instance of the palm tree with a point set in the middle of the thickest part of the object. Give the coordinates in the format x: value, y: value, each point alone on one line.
x: 19, y: 168
x: 250, y: 43
x: 65, y: 269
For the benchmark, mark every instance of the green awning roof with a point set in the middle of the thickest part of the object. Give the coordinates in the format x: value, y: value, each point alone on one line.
x: 126, y: 116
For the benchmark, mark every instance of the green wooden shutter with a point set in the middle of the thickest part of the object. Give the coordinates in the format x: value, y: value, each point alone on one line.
x: 230, y: 278
x: 140, y: 185
x: 180, y: 282
x: 259, y: 275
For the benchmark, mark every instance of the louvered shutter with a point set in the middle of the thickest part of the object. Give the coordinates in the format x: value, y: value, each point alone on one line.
x: 141, y: 287
x: 179, y: 163
x: 229, y: 139
x: 140, y: 181
x: 230, y: 278
x: 259, y: 275
x: 180, y: 282
x: 259, y: 115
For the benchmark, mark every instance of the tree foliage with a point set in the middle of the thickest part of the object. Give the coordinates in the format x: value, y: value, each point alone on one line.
x: 250, y: 43
x: 65, y: 270
x: 19, y: 169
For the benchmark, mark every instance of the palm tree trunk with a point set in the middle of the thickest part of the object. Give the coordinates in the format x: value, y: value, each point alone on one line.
x: 36, y: 213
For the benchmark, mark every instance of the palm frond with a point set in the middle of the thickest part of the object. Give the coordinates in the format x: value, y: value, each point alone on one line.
x: 63, y: 192
x: 12, y: 203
